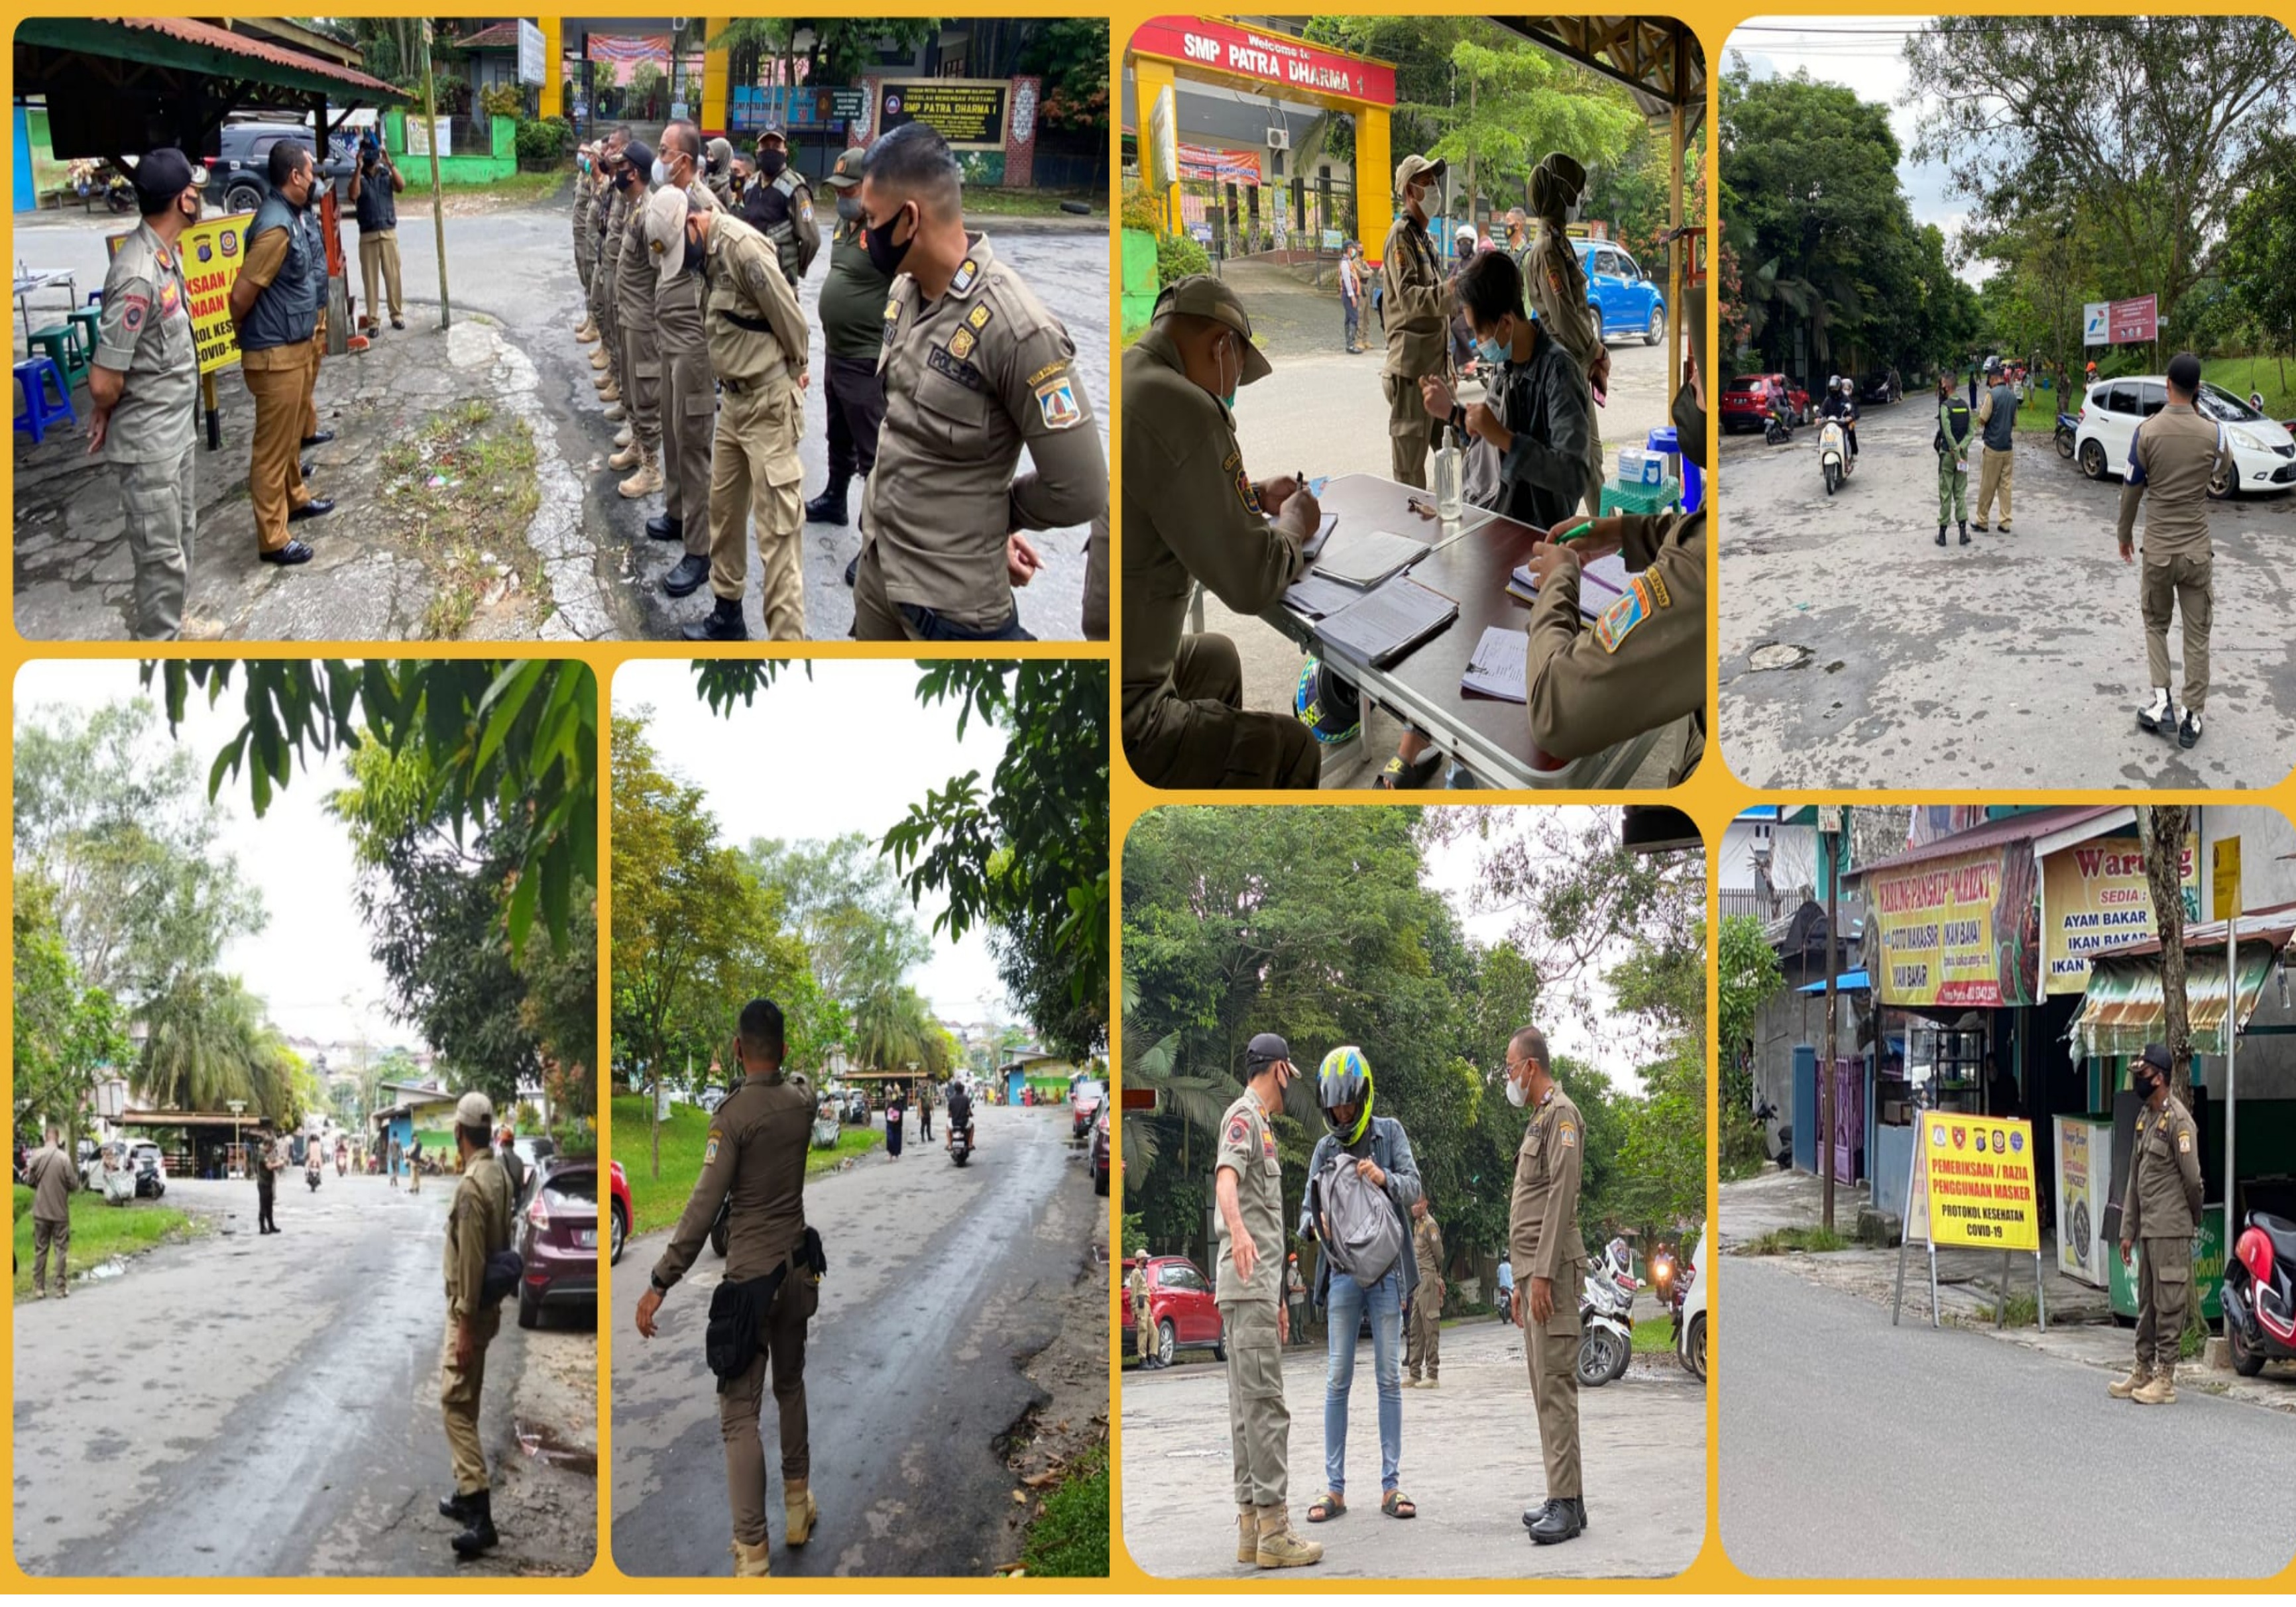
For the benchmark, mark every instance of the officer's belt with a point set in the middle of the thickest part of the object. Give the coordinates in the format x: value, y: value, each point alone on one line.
x: 756, y: 326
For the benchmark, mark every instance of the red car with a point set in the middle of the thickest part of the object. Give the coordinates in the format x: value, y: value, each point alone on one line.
x: 1747, y: 401
x: 558, y: 1239
x: 1180, y: 1305
x: 619, y: 1226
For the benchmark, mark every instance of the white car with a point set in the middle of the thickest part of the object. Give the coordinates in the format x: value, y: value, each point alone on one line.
x: 1691, y: 1346
x: 2264, y: 454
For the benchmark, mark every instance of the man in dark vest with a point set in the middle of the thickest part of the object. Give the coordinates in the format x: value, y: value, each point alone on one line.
x: 373, y: 186
x: 274, y: 304
x: 778, y: 204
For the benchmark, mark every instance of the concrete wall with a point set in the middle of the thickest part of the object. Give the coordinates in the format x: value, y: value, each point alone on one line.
x: 463, y: 168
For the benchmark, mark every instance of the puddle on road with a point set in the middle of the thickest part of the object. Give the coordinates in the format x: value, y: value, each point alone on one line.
x: 540, y: 1443
x: 103, y: 1270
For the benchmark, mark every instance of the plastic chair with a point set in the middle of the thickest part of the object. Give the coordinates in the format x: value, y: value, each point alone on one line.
x: 35, y: 375
x: 62, y: 345
x: 84, y: 321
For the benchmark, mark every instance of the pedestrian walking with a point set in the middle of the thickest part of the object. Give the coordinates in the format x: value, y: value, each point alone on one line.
x: 852, y: 313
x: 1374, y: 1149
x: 1415, y: 307
x: 925, y: 1109
x: 1954, y: 427
x: 1543, y: 1235
x: 375, y: 183
x: 1248, y: 1185
x: 268, y: 1160
x: 478, y: 1231
x: 2174, y: 458
x: 2160, y: 1212
x: 897, y: 1109
x: 1351, y: 301
x: 143, y: 387
x: 51, y: 1177
x: 1997, y: 417
x: 1295, y: 1296
x: 1424, y: 1351
x: 689, y: 392
x: 1144, y: 1324
x: 755, y: 1159
x: 275, y: 305
x: 1506, y: 1290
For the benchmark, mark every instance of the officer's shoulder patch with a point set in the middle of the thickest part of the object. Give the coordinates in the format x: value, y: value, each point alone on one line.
x: 1618, y: 622
x: 1056, y: 401
x: 979, y: 316
x: 2184, y: 1143
x: 965, y: 275
x: 132, y: 312
x: 1233, y: 462
x: 1659, y: 596
x: 964, y: 373
x: 892, y: 308
x: 1566, y: 1132
x: 709, y: 1152
x: 1238, y: 1130
x: 1243, y: 487
x: 1048, y: 371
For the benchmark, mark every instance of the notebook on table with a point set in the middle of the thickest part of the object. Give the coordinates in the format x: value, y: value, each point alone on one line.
x: 1500, y: 666
x: 1386, y: 622
x: 1364, y: 559
x: 1601, y: 584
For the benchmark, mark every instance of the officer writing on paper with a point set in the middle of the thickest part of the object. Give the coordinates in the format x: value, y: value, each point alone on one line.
x: 1192, y: 514
x: 1641, y: 662
x: 2160, y: 1210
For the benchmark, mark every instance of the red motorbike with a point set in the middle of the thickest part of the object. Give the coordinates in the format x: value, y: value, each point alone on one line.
x: 2259, y: 1294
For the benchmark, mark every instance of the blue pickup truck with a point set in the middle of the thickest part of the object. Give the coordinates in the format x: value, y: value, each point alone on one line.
x: 1625, y: 302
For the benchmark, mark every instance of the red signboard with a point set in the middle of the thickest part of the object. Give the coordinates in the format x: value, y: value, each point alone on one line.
x: 1266, y: 57
x: 2135, y: 319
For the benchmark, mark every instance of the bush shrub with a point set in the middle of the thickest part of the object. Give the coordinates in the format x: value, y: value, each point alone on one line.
x: 502, y: 100
x: 543, y: 141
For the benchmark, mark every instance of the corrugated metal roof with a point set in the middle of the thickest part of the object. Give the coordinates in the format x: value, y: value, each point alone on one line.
x: 211, y: 37
x: 1992, y: 834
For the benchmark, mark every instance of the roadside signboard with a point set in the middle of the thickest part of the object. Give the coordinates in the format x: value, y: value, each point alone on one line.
x: 529, y: 52
x: 2096, y: 323
x: 968, y: 113
x: 212, y: 251
x: 1971, y: 1185
x: 2096, y: 895
x: 2135, y: 320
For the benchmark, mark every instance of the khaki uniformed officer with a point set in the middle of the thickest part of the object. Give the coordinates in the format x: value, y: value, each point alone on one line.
x: 1248, y: 1183
x: 689, y: 392
x: 613, y: 213
x: 758, y: 346
x: 974, y: 368
x: 1556, y: 287
x: 2173, y: 457
x: 2161, y: 1210
x: 275, y: 303
x: 1415, y: 304
x: 756, y: 1159
x: 635, y: 282
x: 49, y: 1172
x: 1643, y: 661
x: 586, y: 236
x: 1144, y: 1325
x: 478, y: 1226
x: 1423, y: 1345
x: 1549, y: 1257
x: 779, y: 205
x: 144, y: 389
x: 1192, y: 514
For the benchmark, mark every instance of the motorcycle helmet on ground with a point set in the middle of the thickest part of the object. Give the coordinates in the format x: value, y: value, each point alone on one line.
x: 1344, y: 1080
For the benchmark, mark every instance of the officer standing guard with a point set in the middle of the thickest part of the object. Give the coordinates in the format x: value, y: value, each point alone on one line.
x: 1192, y: 514
x: 2160, y: 1211
x: 2175, y: 457
x: 779, y: 205
x: 758, y: 346
x: 635, y: 282
x: 1423, y: 1346
x: 1557, y: 287
x: 755, y: 1159
x: 608, y: 358
x: 263, y: 1158
x: 974, y: 368
x: 477, y: 1229
x: 689, y: 397
x: 1415, y: 307
x: 1144, y: 1324
x: 1248, y: 1183
x: 53, y: 1178
x: 274, y: 304
x: 1543, y: 1241
x: 144, y: 389
x: 1954, y: 427
x: 586, y: 236
x: 718, y: 172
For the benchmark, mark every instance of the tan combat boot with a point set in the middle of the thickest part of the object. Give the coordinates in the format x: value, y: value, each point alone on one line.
x: 588, y: 332
x: 797, y: 1505
x: 2139, y: 1375
x: 629, y: 452
x: 599, y: 360
x: 1247, y: 1534
x: 647, y: 481
x: 625, y: 435
x: 615, y: 413
x: 753, y: 1561
x: 2162, y: 1391
x: 1279, y: 1546
x: 609, y: 392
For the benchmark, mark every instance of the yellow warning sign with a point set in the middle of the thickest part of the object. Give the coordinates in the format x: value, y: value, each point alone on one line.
x: 1976, y: 1181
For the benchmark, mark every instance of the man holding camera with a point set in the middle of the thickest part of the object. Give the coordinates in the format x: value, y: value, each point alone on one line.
x: 373, y: 188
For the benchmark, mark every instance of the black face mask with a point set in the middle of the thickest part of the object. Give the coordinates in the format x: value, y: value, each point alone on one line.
x: 884, y: 256
x: 771, y: 162
x: 1689, y: 427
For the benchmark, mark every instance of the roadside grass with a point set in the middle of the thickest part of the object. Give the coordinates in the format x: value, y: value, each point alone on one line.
x: 656, y: 1201
x: 994, y: 201
x: 519, y: 190
x: 1655, y: 1336
x: 461, y: 492
x: 1810, y: 1241
x: 2274, y: 377
x: 101, y: 1232
x: 1069, y: 1539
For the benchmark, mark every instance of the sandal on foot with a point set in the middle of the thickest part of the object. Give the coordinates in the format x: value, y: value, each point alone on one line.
x: 1402, y: 773
x: 1395, y: 1503
x: 1332, y: 1505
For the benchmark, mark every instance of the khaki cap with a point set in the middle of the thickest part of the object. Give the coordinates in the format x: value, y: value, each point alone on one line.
x: 665, y: 230
x: 1414, y: 167
x: 474, y: 1110
x: 1201, y: 296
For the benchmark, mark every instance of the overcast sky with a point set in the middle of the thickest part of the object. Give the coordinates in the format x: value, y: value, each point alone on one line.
x: 309, y: 963
x: 847, y: 749
x: 1866, y: 54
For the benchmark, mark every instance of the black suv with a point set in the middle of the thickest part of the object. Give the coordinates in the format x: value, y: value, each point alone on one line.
x: 239, y: 178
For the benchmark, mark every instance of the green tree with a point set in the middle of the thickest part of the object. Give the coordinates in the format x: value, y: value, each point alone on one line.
x: 838, y: 47
x: 1511, y: 103
x: 1071, y: 55
x: 2260, y: 250
x: 66, y: 1034
x: 1747, y: 976
x: 207, y: 1042
x: 844, y: 902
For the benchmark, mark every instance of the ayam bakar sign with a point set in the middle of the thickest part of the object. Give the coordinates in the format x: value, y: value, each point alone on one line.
x: 1937, y: 924
x: 1270, y: 58
x: 2095, y: 896
x: 212, y: 252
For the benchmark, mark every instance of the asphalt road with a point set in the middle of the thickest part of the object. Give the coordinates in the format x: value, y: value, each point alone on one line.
x: 942, y: 1282
x: 1851, y: 1449
x: 1471, y: 1462
x: 2015, y: 661
x: 268, y: 1406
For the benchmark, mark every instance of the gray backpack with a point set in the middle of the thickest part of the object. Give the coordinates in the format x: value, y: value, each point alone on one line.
x: 1361, y: 1233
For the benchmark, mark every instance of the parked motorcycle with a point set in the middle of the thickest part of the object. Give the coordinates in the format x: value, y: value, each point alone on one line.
x: 1834, y: 457
x: 2067, y: 428
x: 1606, y: 1330
x: 2259, y: 1294
x: 1778, y: 1147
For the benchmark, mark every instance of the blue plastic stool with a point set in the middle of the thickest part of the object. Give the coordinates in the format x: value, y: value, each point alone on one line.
x: 34, y: 375
x: 1693, y: 481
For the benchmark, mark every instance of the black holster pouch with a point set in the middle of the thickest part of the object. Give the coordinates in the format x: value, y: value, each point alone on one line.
x: 737, y: 1312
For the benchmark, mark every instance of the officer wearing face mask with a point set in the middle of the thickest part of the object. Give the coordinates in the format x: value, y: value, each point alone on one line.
x: 1556, y: 286
x: 275, y: 304
x: 1549, y: 1257
x: 586, y: 236
x: 1416, y: 307
x: 718, y: 172
x: 613, y: 212
x: 2159, y: 1212
x: 1641, y: 663
x: 852, y: 332
x: 974, y: 368
x: 689, y: 393
x: 636, y: 278
x: 1193, y: 514
x: 779, y: 205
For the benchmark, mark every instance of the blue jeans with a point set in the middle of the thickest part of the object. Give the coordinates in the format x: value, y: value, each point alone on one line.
x: 1345, y: 1311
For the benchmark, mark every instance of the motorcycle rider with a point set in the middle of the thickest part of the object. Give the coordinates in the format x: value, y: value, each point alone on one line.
x: 960, y: 1119
x: 1841, y: 403
x: 1955, y: 426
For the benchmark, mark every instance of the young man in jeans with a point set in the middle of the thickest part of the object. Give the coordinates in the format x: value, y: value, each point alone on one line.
x: 1381, y: 1155
x: 1351, y: 297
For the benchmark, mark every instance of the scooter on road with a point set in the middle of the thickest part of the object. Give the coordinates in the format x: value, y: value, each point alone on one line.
x: 2259, y: 1294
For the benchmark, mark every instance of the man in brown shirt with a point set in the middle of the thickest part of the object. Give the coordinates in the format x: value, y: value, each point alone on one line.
x: 1415, y: 307
x: 1192, y: 514
x: 1543, y: 1244
x: 2173, y: 458
x: 755, y: 1161
x: 50, y: 1172
x: 477, y: 1229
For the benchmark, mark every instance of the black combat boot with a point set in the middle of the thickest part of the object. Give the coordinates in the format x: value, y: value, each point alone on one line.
x: 1564, y: 1519
x: 457, y: 1506
x: 687, y: 578
x: 722, y: 623
x: 665, y: 527
x: 1940, y: 534
x: 1964, y: 533
x: 829, y: 507
x: 477, y: 1534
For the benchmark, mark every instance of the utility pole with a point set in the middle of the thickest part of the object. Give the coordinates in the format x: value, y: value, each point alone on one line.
x: 438, y: 194
x: 1829, y: 839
